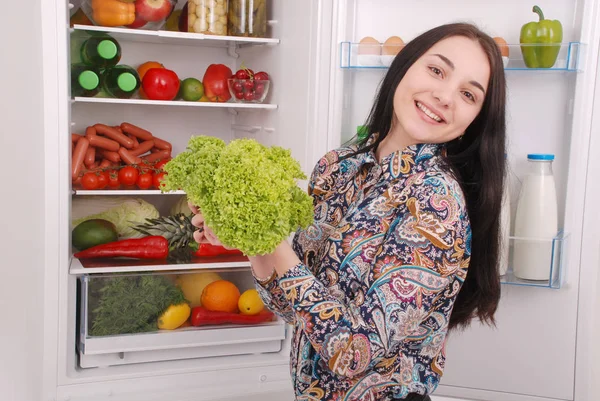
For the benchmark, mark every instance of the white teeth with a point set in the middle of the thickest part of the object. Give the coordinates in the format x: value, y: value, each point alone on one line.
x: 428, y: 112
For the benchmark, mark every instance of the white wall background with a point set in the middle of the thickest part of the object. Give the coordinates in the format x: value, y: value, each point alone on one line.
x: 21, y: 202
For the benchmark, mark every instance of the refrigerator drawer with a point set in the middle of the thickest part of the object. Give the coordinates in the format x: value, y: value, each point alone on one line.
x: 118, y: 322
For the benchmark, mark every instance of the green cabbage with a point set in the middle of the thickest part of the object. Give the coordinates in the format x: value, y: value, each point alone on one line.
x: 247, y: 192
x: 124, y: 213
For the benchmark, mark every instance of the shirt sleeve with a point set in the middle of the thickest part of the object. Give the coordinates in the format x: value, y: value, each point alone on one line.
x: 274, y: 299
x: 418, y: 269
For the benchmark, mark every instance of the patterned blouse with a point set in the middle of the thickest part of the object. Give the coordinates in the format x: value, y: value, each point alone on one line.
x: 381, y: 267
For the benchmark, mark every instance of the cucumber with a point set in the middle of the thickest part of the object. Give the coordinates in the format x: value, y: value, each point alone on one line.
x: 93, y: 232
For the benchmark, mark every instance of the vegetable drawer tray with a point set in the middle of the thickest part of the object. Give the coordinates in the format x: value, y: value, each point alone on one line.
x: 114, y: 329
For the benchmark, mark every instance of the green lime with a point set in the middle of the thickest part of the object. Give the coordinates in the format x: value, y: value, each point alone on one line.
x: 191, y: 89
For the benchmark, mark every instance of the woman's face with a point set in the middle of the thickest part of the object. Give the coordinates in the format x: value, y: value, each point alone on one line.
x: 442, y: 92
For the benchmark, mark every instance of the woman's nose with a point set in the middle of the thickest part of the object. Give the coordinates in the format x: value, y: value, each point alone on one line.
x: 444, y: 97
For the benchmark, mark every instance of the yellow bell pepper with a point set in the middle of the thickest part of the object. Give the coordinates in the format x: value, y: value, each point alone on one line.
x: 174, y: 316
x: 113, y: 12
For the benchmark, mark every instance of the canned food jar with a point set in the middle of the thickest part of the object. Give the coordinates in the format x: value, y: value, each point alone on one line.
x: 208, y: 16
x: 247, y: 18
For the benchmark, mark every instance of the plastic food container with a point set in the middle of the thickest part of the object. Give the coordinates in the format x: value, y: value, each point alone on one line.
x: 247, y: 18
x: 135, y: 14
x: 208, y: 16
x: 248, y: 90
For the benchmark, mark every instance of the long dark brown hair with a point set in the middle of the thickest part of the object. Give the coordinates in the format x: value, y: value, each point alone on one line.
x: 476, y: 160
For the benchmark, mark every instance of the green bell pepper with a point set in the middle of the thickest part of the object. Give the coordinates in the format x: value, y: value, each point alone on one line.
x: 543, y: 33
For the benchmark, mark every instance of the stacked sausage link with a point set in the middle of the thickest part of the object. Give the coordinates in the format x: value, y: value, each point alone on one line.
x: 104, y: 146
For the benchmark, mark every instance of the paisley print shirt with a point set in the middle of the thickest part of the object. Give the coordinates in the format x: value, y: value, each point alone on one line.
x: 381, y: 267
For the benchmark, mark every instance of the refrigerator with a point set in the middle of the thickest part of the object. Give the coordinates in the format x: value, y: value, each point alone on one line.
x: 321, y: 92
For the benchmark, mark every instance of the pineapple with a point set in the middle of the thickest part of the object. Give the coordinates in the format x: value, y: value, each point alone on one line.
x: 177, y: 229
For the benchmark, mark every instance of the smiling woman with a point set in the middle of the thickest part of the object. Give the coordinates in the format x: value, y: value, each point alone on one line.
x: 404, y: 244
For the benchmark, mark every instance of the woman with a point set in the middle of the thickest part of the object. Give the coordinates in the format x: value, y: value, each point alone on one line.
x: 405, y: 242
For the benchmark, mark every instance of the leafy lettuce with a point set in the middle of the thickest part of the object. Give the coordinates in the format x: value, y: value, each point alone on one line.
x: 247, y: 192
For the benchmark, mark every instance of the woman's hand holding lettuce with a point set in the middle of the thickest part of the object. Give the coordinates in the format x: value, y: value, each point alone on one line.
x: 247, y: 192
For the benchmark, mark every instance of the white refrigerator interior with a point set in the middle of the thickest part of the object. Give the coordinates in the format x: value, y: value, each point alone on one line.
x: 321, y: 92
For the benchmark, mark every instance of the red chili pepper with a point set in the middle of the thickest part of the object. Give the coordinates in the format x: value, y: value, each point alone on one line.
x: 151, y: 247
x: 204, y: 317
x: 214, y: 250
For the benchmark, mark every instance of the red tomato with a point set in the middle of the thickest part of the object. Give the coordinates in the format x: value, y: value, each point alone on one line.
x: 249, y: 95
x: 161, y: 163
x: 244, y: 74
x: 239, y: 95
x: 144, y: 181
x: 128, y: 175
x: 215, y: 83
x: 237, y: 86
x: 89, y: 181
x: 261, y: 76
x: 249, y: 85
x: 158, y: 177
x: 160, y: 84
x: 102, y: 179
x: 259, y: 89
x: 113, y: 179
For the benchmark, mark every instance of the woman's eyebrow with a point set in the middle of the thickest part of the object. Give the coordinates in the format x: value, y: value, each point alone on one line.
x: 451, y: 65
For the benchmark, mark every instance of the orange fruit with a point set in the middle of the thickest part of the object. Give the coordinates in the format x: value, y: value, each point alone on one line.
x: 220, y: 296
x: 143, y: 68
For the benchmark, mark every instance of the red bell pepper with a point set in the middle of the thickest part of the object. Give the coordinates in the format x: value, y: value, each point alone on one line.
x: 151, y: 247
x: 207, y: 250
x: 204, y: 317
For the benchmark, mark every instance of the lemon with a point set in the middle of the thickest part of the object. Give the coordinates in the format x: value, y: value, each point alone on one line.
x: 250, y: 303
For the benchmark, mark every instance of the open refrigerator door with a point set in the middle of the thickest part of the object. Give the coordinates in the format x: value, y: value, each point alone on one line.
x: 531, y: 353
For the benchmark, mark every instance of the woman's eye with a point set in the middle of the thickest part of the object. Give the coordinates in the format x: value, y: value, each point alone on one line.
x: 436, y: 70
x: 469, y: 96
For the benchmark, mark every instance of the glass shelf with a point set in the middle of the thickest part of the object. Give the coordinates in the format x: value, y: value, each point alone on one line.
x: 551, y: 253
x: 568, y: 60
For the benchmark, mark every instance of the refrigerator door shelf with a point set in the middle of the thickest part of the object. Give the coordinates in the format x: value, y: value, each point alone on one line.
x: 570, y: 57
x: 556, y: 258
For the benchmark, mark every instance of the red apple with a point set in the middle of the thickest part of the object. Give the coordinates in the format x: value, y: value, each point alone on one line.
x: 153, y: 10
x: 137, y: 23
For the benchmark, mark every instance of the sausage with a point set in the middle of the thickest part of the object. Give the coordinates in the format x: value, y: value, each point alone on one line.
x: 90, y: 157
x: 111, y: 156
x: 103, y: 143
x: 162, y: 144
x: 136, y: 131
x: 105, y: 163
x: 135, y: 141
x: 114, y: 135
x: 156, y: 156
x: 78, y: 155
x: 143, y: 148
x: 75, y: 138
x: 90, y: 131
x: 128, y: 158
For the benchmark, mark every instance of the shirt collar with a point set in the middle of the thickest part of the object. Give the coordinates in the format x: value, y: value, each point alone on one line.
x: 410, y: 160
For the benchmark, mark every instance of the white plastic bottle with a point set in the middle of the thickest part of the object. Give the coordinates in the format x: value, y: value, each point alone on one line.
x: 536, y: 220
x: 504, y: 228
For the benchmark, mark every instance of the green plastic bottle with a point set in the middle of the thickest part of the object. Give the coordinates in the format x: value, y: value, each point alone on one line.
x: 121, y: 81
x: 85, y: 80
x: 102, y: 51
